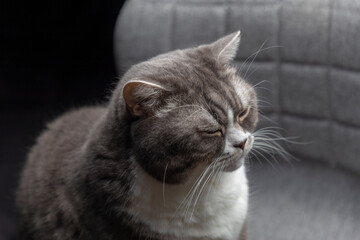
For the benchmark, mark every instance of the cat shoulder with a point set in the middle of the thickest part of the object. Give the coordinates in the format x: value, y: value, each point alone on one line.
x: 67, y: 132
x: 78, y: 116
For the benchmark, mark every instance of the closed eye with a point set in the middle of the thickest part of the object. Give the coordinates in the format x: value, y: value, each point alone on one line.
x: 217, y: 132
x: 243, y: 114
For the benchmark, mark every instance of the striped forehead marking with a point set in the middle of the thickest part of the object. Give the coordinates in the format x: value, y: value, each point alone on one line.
x: 230, y: 118
x: 220, y: 98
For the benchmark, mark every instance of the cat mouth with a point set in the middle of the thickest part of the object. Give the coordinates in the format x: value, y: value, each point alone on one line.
x: 233, y: 162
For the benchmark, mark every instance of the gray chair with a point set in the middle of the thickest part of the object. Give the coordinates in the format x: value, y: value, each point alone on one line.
x: 311, y: 64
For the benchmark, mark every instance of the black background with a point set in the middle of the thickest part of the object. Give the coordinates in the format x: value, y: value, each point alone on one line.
x: 54, y: 55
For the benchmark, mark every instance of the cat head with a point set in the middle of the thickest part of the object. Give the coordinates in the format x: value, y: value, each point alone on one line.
x: 189, y: 107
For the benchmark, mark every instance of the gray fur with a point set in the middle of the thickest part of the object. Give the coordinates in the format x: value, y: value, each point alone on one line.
x: 78, y: 177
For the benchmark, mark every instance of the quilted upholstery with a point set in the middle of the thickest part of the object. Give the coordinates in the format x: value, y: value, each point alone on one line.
x: 311, y: 64
x: 303, y: 202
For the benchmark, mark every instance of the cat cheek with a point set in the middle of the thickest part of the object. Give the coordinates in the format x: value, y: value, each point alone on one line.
x: 218, y: 146
x: 250, y: 124
x: 212, y: 146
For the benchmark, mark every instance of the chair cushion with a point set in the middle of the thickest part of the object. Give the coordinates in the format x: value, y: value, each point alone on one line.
x: 301, y: 200
x: 311, y: 65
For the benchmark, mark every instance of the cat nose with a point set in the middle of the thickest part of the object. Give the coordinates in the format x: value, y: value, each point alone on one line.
x: 240, y: 145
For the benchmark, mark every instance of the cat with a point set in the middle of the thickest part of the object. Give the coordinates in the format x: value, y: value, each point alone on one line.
x: 163, y: 159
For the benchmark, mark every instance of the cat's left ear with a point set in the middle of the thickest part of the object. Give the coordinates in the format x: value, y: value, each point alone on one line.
x: 225, y: 48
x: 142, y: 97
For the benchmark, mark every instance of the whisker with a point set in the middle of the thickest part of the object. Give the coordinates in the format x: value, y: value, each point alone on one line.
x: 190, y: 192
x: 197, y: 190
x: 200, y: 193
x: 211, y: 177
x: 256, y: 53
x: 269, y: 145
x: 163, y: 185
x: 189, y: 196
x: 263, y: 156
x: 267, y: 118
x: 249, y: 57
x: 261, y: 82
x: 252, y: 154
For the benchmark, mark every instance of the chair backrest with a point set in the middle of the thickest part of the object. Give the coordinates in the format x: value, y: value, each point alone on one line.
x: 309, y: 56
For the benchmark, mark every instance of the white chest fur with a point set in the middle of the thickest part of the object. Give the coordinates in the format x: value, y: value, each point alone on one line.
x: 218, y: 214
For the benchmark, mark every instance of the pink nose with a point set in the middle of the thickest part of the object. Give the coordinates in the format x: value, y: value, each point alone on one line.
x: 241, y: 145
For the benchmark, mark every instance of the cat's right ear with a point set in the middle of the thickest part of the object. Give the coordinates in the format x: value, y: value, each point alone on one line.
x: 225, y: 48
x: 141, y: 97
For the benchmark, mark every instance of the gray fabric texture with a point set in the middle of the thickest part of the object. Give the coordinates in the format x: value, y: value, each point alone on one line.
x: 303, y: 201
x: 308, y: 80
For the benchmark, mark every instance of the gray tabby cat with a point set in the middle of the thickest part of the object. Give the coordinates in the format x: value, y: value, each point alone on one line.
x: 164, y: 159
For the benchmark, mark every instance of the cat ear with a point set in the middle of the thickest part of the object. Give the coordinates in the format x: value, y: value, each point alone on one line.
x: 141, y: 96
x: 225, y: 48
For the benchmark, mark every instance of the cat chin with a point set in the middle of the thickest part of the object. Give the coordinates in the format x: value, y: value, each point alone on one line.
x: 235, y: 164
